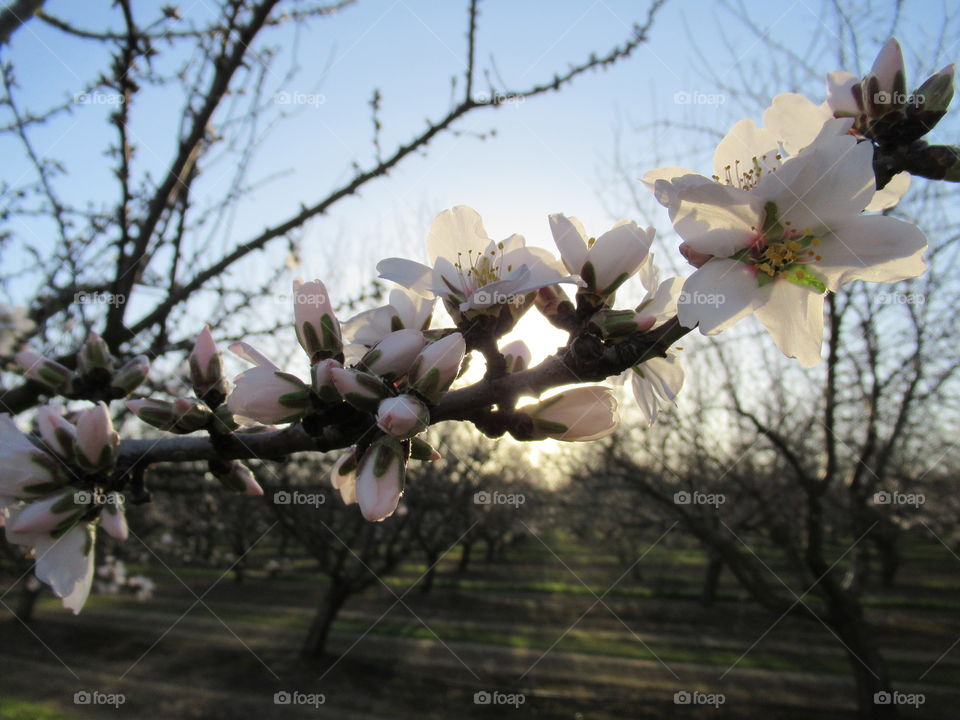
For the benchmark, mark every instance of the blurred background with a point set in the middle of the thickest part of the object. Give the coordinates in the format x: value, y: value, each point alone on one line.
x: 783, y: 543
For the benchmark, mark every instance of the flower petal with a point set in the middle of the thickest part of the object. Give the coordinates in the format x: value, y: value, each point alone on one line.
x: 571, y: 240
x: 412, y: 275
x: 874, y: 248
x: 794, y: 316
x: 454, y: 232
x: 717, y: 219
x: 718, y: 295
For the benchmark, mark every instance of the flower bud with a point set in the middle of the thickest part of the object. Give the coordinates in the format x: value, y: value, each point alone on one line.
x: 113, y: 518
x: 94, y: 355
x: 392, y: 357
x: 321, y: 375
x: 317, y: 327
x: 402, y: 417
x: 380, y: 477
x: 181, y: 416
x: 206, y: 368
x: 129, y: 377
x: 579, y: 414
x: 269, y: 396
x: 54, y: 512
x: 422, y: 450
x: 239, y: 478
x: 97, y: 442
x: 937, y: 91
x: 362, y: 390
x: 46, y: 371
x: 57, y: 432
x: 343, y: 476
x: 437, y: 366
x: 620, y: 323
x: 517, y: 355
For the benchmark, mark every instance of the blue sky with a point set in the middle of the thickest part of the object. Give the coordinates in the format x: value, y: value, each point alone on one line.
x: 549, y: 153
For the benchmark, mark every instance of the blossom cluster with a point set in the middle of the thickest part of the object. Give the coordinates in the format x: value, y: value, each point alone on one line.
x: 789, y: 213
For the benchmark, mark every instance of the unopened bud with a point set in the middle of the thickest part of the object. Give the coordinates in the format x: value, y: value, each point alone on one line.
x: 94, y: 355
x: 437, y: 366
x: 422, y: 450
x: 206, y: 368
x: 45, y: 371
x: 129, y: 377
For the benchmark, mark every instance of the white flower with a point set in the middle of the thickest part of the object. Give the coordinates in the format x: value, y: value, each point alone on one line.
x: 781, y: 235
x: 604, y: 263
x: 471, y: 272
x: 402, y: 416
x: 406, y: 309
x: 577, y: 414
x: 380, y: 477
x: 265, y: 393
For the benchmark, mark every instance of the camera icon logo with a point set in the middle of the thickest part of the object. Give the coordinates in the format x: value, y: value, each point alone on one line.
x: 82, y: 497
x: 882, y: 498
x: 882, y: 698
x: 81, y: 697
x: 681, y: 697
x: 482, y: 697
x: 681, y: 498
x: 281, y: 497
x: 482, y: 498
x: 281, y: 697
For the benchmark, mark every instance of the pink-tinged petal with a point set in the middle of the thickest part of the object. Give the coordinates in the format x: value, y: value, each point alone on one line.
x: 795, y: 120
x: 455, y: 232
x: 890, y: 194
x: 113, y: 518
x: 840, y: 86
x: 828, y: 183
x: 874, y: 248
x: 717, y: 219
x: 718, y: 295
x: 571, y: 241
x: 888, y: 63
x: 794, y: 317
x: 735, y: 155
x: 412, y: 275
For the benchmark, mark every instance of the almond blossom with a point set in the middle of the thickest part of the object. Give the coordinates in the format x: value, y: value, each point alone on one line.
x: 778, y: 235
x: 471, y: 272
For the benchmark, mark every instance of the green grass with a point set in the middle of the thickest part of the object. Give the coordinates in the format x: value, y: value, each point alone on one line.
x: 12, y: 709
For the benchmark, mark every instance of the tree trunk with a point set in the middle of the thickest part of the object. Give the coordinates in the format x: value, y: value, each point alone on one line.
x: 465, y: 557
x: 711, y: 578
x: 315, y: 643
x: 426, y: 585
x: 26, y: 603
x: 869, y: 667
